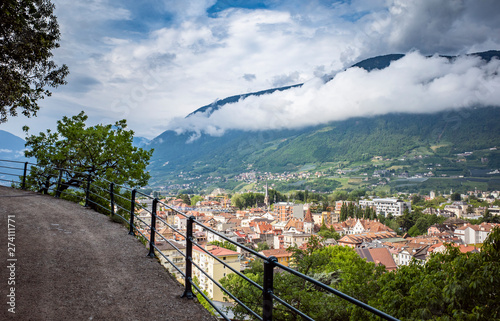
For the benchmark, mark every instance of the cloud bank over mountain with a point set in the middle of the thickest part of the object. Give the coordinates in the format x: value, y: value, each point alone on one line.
x: 412, y: 84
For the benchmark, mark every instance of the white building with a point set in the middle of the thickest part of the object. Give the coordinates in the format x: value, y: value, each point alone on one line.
x: 474, y: 234
x: 386, y: 206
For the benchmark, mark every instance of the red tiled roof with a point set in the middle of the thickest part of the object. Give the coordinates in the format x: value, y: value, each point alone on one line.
x: 379, y: 256
x: 276, y: 253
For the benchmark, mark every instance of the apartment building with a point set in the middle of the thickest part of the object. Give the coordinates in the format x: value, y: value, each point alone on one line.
x: 215, y: 269
x: 386, y: 206
x: 287, y: 210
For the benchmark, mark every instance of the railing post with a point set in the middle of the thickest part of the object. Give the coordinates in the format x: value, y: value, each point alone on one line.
x: 132, y: 213
x: 24, y: 175
x: 87, y: 192
x: 188, y: 291
x: 267, y: 291
x: 58, y: 192
x: 152, y: 233
x: 112, y: 197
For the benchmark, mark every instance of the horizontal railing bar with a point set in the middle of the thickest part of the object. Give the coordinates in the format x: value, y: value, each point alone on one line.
x: 139, y: 192
x: 120, y: 207
x: 171, y: 263
x: 286, y: 304
x: 12, y: 161
x: 175, y: 247
x: 209, y: 301
x: 226, y: 291
x: 99, y: 187
x: 139, y: 218
x: 231, y: 241
x: 16, y: 168
x: 122, y: 197
x: 9, y: 174
x: 229, y: 267
x: 99, y: 196
x: 123, y: 218
x: 142, y: 234
x: 170, y: 226
x: 337, y: 292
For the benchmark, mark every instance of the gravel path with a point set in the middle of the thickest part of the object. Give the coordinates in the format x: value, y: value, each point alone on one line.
x: 75, y: 264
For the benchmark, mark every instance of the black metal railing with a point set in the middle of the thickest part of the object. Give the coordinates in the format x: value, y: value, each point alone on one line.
x: 123, y: 202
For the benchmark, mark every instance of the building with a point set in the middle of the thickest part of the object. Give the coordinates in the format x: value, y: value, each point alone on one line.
x: 474, y: 234
x: 288, y: 239
x: 329, y: 218
x: 214, y: 268
x: 287, y: 210
x: 356, y: 226
x: 386, y: 206
x: 355, y: 240
x: 172, y: 251
x: 379, y: 256
x: 282, y: 255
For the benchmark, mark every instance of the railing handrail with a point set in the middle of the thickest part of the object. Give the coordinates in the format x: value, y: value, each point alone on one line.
x: 92, y: 197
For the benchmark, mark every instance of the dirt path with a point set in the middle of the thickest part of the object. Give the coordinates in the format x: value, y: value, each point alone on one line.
x: 75, y: 264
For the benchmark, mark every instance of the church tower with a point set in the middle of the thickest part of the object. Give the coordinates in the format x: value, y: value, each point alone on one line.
x: 266, y: 197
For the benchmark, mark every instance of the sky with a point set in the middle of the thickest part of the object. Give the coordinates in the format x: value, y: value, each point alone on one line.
x: 154, y: 62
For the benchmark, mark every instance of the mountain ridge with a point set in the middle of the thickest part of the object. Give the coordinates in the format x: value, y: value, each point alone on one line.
x: 358, y: 139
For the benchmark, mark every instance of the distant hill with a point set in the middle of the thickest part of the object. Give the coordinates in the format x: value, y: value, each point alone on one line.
x: 140, y: 142
x: 356, y: 139
x: 353, y: 140
x: 11, y: 146
x: 10, y: 141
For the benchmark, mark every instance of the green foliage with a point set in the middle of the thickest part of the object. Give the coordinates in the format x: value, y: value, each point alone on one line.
x: 202, y: 299
x: 450, y: 286
x: 261, y: 246
x: 328, y: 233
x: 103, y: 152
x: 225, y: 244
x: 28, y: 33
x: 339, y: 267
x: 250, y: 199
x: 185, y: 198
x: 195, y: 199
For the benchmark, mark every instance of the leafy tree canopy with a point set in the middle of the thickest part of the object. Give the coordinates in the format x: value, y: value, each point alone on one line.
x: 450, y: 286
x: 224, y: 244
x: 103, y: 151
x: 28, y: 33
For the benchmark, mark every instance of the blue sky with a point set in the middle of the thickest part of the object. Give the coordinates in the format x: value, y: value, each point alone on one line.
x: 153, y: 62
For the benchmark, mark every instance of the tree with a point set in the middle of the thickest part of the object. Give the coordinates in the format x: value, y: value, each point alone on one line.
x: 28, y: 33
x: 195, y: 199
x: 101, y: 151
x: 337, y: 266
x: 224, y: 244
x: 450, y: 286
x: 238, y: 201
x: 185, y: 198
x: 328, y: 233
x: 262, y: 246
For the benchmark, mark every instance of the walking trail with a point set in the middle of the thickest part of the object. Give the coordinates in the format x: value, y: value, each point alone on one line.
x: 72, y: 263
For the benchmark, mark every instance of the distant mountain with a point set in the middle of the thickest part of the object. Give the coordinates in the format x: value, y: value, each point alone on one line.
x: 353, y: 140
x: 11, y: 146
x: 140, y: 142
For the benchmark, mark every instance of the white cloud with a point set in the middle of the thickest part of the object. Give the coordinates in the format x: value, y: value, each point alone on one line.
x: 413, y: 84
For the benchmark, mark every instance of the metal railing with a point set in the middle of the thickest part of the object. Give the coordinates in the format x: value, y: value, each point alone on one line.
x: 123, y: 202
